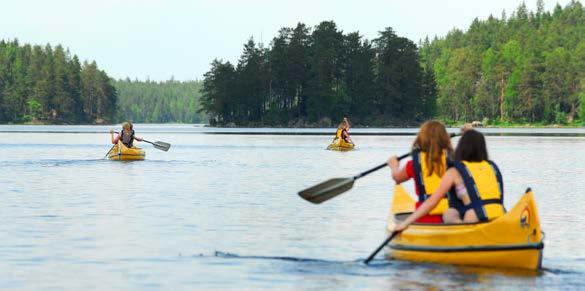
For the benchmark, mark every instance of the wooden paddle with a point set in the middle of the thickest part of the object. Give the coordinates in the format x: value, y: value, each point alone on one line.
x: 333, y: 187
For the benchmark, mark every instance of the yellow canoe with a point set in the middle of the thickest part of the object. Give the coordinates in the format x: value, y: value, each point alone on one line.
x: 513, y: 240
x: 338, y: 144
x: 121, y: 153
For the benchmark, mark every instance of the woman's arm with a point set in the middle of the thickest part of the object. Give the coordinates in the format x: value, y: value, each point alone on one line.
x: 114, y: 139
x: 446, y: 184
x: 138, y: 138
x: 399, y: 175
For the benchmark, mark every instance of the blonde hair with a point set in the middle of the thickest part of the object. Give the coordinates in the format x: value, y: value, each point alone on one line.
x: 342, y: 125
x: 127, y: 125
x: 434, y: 140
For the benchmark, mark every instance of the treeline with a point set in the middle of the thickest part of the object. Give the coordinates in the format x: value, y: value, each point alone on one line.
x: 526, y: 67
x: 159, y: 102
x: 46, y: 84
x: 310, y: 75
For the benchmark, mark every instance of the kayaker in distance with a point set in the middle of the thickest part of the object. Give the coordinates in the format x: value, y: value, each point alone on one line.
x: 126, y: 135
x: 430, y: 160
x: 478, y: 186
x: 342, y: 131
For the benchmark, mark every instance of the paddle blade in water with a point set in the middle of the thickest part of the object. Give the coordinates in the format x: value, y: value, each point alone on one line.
x: 163, y: 146
x: 326, y: 190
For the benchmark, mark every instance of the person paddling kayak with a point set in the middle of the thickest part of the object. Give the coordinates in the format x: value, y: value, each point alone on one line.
x: 126, y: 135
x: 430, y: 160
x: 343, y: 131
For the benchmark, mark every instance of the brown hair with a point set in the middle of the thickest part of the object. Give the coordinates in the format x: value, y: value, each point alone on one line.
x: 433, y: 139
x: 471, y: 147
x: 127, y: 124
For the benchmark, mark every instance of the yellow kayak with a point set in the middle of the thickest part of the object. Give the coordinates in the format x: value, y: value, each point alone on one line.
x: 121, y: 153
x: 513, y: 240
x: 338, y: 144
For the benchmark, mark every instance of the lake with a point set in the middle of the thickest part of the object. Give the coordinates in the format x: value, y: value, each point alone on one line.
x: 220, y: 210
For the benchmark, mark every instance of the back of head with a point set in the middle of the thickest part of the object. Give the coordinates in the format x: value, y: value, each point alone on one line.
x: 433, y: 136
x: 471, y: 147
x: 127, y: 125
x: 434, y: 140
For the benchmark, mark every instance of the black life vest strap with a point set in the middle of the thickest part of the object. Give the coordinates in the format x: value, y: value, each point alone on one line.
x: 500, y: 181
x: 418, y: 179
x: 484, y: 202
x: 476, y: 203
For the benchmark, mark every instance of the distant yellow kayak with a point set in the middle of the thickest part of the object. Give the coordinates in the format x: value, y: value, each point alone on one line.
x: 121, y: 153
x: 513, y: 240
x: 338, y: 144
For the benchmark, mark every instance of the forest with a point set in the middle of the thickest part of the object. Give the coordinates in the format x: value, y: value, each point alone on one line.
x: 49, y: 85
x: 318, y: 75
x: 159, y: 102
x: 525, y: 68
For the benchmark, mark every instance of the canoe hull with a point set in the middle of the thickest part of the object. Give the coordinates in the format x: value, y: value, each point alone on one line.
x: 340, y: 145
x: 522, y: 259
x: 121, y: 153
x: 514, y: 240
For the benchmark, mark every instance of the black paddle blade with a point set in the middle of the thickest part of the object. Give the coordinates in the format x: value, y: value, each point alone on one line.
x: 163, y: 146
x: 327, y: 190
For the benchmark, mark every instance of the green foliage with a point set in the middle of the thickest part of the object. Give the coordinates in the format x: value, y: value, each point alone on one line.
x: 34, y: 110
x: 528, y: 67
x: 321, y: 74
x: 46, y: 84
x: 158, y: 102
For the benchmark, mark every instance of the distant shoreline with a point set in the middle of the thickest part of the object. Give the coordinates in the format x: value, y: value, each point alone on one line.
x: 313, y: 126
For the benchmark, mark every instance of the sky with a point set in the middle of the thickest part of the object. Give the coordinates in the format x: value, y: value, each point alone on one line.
x: 160, y: 39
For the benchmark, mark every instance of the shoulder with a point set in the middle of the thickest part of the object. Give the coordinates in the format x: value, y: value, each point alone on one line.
x: 452, y: 173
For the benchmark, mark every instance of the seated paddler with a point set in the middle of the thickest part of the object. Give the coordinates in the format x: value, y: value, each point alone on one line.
x: 126, y: 136
x: 430, y: 160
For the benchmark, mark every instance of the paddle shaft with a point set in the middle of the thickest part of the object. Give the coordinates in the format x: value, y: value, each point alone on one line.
x: 109, y: 151
x: 378, y: 167
x: 384, y: 164
x: 394, y: 233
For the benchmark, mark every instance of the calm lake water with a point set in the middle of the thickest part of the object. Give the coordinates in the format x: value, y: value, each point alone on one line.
x: 220, y: 210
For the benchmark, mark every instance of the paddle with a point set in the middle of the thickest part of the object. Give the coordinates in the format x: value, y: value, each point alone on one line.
x: 109, y: 151
x: 333, y: 187
x: 394, y: 233
x: 159, y: 145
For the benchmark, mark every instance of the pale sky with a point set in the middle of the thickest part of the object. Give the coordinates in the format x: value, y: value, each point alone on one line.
x: 158, y: 39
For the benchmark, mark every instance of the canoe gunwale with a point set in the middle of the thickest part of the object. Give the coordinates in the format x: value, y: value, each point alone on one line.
x: 398, y: 218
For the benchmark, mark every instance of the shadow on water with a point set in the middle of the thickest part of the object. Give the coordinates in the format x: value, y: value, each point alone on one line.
x: 408, y: 275
x: 385, y: 264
